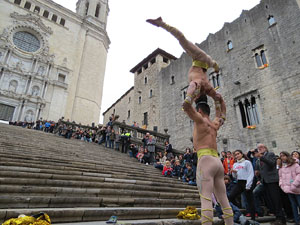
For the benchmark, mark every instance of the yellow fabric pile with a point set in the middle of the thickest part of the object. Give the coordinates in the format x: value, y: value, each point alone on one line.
x: 44, y: 219
x: 190, y: 213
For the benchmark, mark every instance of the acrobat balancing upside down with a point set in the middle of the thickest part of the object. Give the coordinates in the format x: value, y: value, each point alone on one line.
x: 210, y: 172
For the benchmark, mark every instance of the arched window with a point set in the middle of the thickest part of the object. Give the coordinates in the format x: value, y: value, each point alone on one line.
x: 243, y: 115
x: 146, y: 80
x: 18, y: 2
x: 271, y: 20
x: 62, y: 22
x: 128, y: 114
x: 97, y: 10
x: 87, y: 5
x: 151, y: 93
x: 140, y: 100
x: 54, y: 18
x: 27, y: 5
x: 229, y: 45
x: 37, y: 9
x: 13, y: 86
x: 258, y: 60
x: 214, y: 81
x: 46, y: 14
x: 254, y: 110
x: 263, y: 57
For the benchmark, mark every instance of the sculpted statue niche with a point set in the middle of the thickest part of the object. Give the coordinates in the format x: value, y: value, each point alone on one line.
x: 35, y: 91
x: 41, y: 70
x: 13, y: 86
x: 29, y: 116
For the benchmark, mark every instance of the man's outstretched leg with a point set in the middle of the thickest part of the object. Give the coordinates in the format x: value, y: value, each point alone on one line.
x: 192, y: 50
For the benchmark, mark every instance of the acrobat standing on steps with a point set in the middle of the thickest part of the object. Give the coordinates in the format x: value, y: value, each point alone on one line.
x: 199, y: 84
x: 210, y: 172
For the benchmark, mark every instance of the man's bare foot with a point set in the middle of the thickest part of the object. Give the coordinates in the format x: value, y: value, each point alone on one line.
x: 157, y: 22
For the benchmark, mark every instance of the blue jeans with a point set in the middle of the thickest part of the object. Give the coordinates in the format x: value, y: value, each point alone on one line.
x: 111, y: 143
x: 257, y: 192
x: 107, y: 141
x: 295, y: 202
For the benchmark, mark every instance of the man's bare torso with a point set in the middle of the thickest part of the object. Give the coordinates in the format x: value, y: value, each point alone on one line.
x: 204, y: 135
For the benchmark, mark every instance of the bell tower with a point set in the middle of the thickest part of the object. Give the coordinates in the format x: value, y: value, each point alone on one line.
x: 93, y: 10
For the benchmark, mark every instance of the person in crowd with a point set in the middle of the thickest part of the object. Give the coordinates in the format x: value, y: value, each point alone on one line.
x: 223, y: 156
x: 289, y: 182
x: 270, y: 179
x: 169, y: 150
x: 189, y: 174
x: 151, y: 148
x: 133, y: 150
x: 242, y: 170
x: 167, y: 170
x: 145, y: 139
x: 228, y: 163
x: 117, y: 141
x: 160, y: 160
x: 177, y: 169
x: 107, y: 134
x: 146, y: 157
x: 112, y: 138
x: 140, y: 154
x: 127, y: 141
x: 296, y: 156
x: 102, y: 135
x: 187, y: 155
x: 194, y: 159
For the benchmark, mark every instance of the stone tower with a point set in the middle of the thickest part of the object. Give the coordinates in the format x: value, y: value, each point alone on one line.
x: 84, y: 100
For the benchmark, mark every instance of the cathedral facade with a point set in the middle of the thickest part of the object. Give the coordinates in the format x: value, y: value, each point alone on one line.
x: 52, y: 60
x: 259, y: 78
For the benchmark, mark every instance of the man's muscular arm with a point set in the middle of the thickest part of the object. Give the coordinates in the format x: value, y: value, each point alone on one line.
x: 191, y: 112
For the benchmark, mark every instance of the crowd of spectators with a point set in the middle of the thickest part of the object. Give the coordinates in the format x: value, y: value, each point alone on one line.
x: 259, y: 181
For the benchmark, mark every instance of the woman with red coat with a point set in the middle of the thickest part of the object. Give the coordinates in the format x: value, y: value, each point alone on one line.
x: 289, y: 181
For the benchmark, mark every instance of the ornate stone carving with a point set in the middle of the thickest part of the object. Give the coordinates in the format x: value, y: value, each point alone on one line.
x: 41, y: 71
x: 32, y: 19
x: 19, y: 66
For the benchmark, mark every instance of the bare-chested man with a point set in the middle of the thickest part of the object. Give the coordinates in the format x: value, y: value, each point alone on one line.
x: 210, y: 171
x: 199, y: 84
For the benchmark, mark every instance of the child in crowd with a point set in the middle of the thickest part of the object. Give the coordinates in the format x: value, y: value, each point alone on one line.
x: 167, y: 171
x: 140, y: 154
x: 177, y: 169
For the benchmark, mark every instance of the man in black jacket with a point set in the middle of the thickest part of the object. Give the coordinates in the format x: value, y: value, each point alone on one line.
x: 266, y: 165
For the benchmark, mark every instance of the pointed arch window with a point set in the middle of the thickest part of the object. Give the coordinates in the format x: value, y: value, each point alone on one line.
x: 249, y: 112
x: 260, y: 57
x: 151, y: 93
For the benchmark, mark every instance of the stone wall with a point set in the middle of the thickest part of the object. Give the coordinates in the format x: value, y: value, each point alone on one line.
x: 275, y: 87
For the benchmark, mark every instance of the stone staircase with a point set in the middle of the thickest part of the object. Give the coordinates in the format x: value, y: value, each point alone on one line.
x: 73, y: 181
x: 76, y: 181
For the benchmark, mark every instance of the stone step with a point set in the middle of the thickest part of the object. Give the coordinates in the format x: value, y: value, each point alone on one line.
x: 30, y: 166
x: 73, y: 215
x: 23, y: 201
x: 61, y: 180
x: 91, y: 192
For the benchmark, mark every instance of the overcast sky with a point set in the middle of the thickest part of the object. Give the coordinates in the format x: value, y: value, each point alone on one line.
x: 132, y: 39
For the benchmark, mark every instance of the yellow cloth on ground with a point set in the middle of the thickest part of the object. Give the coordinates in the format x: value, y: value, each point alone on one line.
x: 190, y: 213
x: 29, y: 220
x: 207, y: 151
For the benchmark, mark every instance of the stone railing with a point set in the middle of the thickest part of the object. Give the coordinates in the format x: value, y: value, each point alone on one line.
x: 137, y: 134
x: 75, y: 125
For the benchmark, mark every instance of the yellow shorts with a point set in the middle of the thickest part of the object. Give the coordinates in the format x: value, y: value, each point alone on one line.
x: 200, y: 64
x: 207, y: 151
